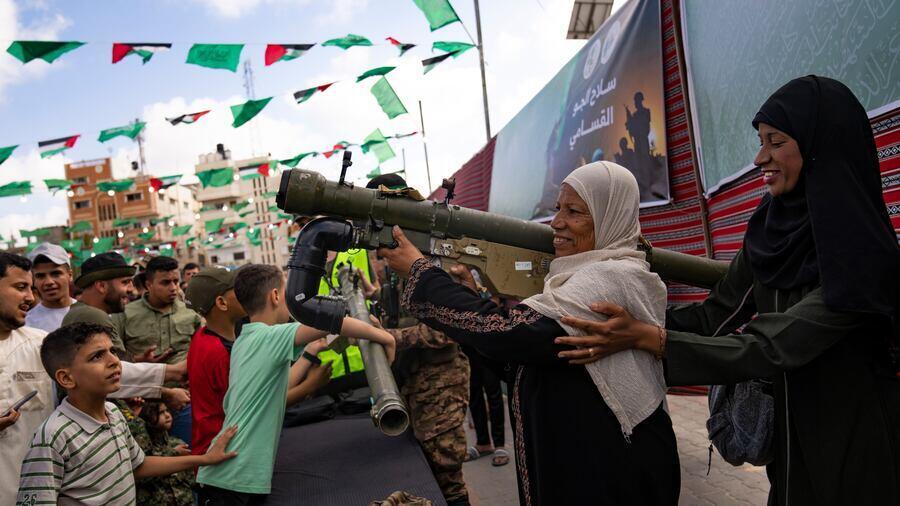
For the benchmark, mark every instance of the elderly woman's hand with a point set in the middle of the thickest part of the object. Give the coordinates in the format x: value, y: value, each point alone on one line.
x: 618, y: 333
x: 401, y: 258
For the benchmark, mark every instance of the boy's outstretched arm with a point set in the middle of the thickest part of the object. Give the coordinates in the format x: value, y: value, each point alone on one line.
x: 164, y: 466
x: 356, y: 329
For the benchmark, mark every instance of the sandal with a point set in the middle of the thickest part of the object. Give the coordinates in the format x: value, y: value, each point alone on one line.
x: 501, y: 457
x: 472, y: 453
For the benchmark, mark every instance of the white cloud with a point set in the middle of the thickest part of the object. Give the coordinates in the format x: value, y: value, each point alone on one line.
x: 47, y: 27
x: 237, y: 8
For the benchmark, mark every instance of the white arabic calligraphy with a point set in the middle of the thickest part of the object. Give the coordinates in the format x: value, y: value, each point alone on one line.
x: 592, y: 94
x: 604, y: 120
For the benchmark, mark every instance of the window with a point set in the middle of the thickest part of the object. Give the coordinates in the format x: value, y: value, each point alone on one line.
x: 160, y: 196
x: 82, y: 204
x: 133, y: 197
x: 80, y: 180
x: 184, y: 204
x: 239, y: 255
x: 214, y: 259
x: 172, y: 202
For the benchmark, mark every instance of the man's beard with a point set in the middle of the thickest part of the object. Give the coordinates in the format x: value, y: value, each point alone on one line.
x: 114, y: 303
x: 10, y: 322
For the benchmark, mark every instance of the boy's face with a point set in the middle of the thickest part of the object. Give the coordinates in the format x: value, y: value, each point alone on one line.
x: 95, y: 369
x: 52, y: 281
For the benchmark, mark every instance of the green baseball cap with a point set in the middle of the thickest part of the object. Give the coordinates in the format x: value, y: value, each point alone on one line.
x: 205, y: 286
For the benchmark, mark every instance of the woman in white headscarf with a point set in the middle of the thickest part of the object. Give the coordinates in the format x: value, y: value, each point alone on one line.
x: 594, y: 434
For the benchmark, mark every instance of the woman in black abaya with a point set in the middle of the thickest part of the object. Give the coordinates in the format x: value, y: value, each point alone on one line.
x: 819, y: 269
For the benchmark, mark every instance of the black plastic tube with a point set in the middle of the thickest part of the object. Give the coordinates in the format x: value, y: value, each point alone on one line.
x: 306, y: 268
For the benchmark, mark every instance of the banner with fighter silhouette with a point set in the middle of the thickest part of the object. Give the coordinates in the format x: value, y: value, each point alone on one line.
x: 606, y: 103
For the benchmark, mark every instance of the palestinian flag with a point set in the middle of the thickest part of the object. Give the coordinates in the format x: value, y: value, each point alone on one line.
x: 432, y: 62
x: 256, y: 170
x: 304, y: 95
x: 56, y: 146
x: 285, y: 52
x: 161, y: 183
x: 341, y: 146
x: 292, y: 162
x: 187, y: 119
x: 400, y: 45
x: 145, y: 50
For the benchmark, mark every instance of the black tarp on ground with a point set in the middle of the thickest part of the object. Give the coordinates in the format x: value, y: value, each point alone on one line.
x: 346, y: 461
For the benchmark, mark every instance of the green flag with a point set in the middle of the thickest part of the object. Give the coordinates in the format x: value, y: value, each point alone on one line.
x: 438, y: 12
x: 167, y: 252
x: 189, y: 241
x: 71, y: 245
x: 213, y: 226
x: 349, y: 41
x: 379, y: 71
x: 377, y: 144
x: 245, y: 112
x: 216, y: 56
x: 27, y: 50
x: 131, y: 131
x: 15, y: 188
x: 253, y: 236
x: 274, y: 209
x: 181, y: 230
x: 38, y: 232
x: 6, y: 152
x: 454, y: 48
x: 239, y: 225
x: 162, y: 219
x: 54, y: 185
x: 103, y: 244
x: 146, y: 236
x: 115, y: 186
x: 240, y: 205
x: 375, y: 172
x: 268, y: 195
x: 292, y: 162
x: 282, y: 216
x: 81, y: 226
x: 216, y: 177
x: 123, y: 222
x: 246, y: 213
x: 388, y: 100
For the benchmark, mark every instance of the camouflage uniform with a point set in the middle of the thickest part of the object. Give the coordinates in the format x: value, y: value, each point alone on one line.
x: 172, y: 490
x: 143, y: 326
x: 435, y: 378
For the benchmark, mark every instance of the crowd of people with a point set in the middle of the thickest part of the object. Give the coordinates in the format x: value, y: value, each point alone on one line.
x: 165, y: 384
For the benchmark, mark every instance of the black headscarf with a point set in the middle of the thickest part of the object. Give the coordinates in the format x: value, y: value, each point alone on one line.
x: 833, y: 226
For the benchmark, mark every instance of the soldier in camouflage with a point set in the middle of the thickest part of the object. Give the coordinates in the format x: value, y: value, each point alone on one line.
x: 174, y: 489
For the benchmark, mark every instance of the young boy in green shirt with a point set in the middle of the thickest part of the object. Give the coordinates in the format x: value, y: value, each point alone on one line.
x: 84, y: 453
x: 258, y: 381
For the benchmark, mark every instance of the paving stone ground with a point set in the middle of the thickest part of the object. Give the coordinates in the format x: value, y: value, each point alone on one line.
x: 725, y: 484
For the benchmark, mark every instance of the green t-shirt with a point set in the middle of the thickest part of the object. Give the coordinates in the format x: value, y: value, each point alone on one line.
x: 257, y: 391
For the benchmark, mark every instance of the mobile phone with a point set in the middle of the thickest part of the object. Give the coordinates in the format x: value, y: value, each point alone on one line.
x: 19, y: 403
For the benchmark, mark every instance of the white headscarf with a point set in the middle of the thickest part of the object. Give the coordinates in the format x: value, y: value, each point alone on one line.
x: 631, y: 382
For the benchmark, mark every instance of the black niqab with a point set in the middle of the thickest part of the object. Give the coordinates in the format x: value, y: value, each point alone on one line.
x: 833, y: 226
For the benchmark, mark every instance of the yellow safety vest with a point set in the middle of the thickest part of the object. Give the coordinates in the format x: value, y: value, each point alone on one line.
x: 351, y: 356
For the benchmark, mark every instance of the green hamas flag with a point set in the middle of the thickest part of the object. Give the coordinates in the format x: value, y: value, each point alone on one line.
x: 27, y: 50
x: 454, y: 48
x: 377, y: 144
x: 274, y: 209
x: 181, y: 230
x: 380, y: 71
x: 375, y: 172
x: 292, y: 162
x: 246, y: 213
x: 38, y: 232
x: 71, y: 245
x: 163, y: 219
x: 438, y: 12
x: 103, y: 244
x: 239, y: 225
x: 146, y: 236
x: 388, y: 100
x: 216, y: 56
x: 253, y: 236
x: 81, y: 226
x: 54, y: 185
x: 240, y: 205
x: 15, y: 188
x: 268, y: 195
x: 6, y: 152
x: 349, y: 41
x: 189, y: 241
x: 131, y: 131
x: 123, y: 222
x: 115, y: 186
x: 216, y: 177
x: 213, y: 226
x: 246, y: 111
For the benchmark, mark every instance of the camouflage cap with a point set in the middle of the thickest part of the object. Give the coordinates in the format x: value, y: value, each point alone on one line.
x: 205, y: 286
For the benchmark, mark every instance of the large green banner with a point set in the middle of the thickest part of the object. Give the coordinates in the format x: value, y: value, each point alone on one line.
x: 605, y: 104
x: 739, y: 52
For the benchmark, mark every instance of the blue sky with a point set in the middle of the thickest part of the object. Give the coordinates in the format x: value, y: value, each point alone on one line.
x: 83, y: 92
